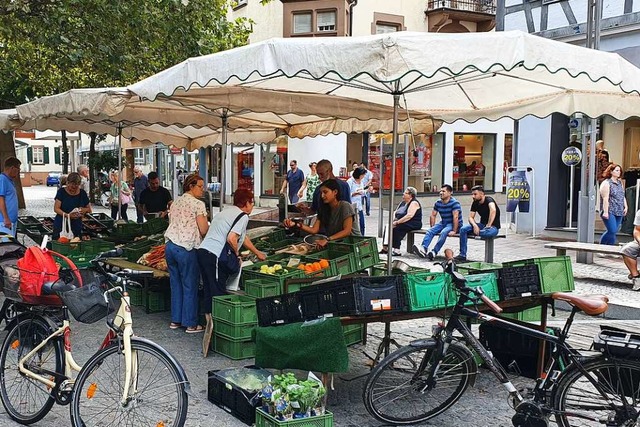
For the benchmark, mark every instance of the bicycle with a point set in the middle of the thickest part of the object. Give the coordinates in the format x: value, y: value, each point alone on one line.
x: 423, y: 379
x: 128, y: 381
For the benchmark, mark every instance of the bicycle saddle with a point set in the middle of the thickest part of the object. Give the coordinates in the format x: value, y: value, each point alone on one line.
x: 52, y: 288
x: 589, y: 304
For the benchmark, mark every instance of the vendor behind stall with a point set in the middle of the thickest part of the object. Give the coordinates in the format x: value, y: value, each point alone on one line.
x: 335, y: 216
x: 155, y: 200
x: 70, y: 200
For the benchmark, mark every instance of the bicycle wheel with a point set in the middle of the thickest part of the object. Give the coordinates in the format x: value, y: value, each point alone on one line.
x: 27, y: 400
x: 159, y: 398
x: 579, y: 399
x: 392, y: 395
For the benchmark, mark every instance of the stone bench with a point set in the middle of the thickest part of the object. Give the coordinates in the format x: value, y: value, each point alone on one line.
x: 488, y: 242
x: 562, y: 248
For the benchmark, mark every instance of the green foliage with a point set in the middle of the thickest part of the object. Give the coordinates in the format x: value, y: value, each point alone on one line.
x: 105, y: 161
x: 49, y: 46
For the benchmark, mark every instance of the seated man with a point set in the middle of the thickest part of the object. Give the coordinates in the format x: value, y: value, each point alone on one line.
x: 489, y: 220
x: 155, y: 200
x: 631, y: 252
x: 450, y: 222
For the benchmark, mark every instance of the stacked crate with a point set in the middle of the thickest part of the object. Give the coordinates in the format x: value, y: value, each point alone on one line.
x: 364, y: 250
x: 234, y: 317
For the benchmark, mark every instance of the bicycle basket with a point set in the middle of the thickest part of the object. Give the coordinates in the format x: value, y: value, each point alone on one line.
x: 87, y: 304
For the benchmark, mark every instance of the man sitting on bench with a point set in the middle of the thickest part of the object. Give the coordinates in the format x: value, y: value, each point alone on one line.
x: 451, y: 221
x: 489, y: 220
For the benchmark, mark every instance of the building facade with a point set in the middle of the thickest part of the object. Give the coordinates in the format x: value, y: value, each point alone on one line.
x: 565, y: 20
x: 461, y: 154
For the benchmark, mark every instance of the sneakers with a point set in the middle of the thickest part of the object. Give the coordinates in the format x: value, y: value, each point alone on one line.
x: 431, y: 255
x: 460, y: 258
x: 636, y: 284
x: 419, y: 250
x: 396, y: 253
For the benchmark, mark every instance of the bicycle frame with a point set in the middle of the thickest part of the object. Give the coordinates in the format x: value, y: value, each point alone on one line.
x: 122, y: 321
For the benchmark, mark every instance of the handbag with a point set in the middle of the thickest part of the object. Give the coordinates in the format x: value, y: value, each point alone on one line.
x: 124, y: 198
x: 66, y: 227
x: 228, y: 260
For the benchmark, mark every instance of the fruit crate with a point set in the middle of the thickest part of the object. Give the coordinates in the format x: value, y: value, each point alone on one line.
x: 281, y: 244
x: 27, y: 221
x: 517, y: 281
x: 92, y: 226
x: 239, y: 402
x: 265, y: 420
x: 358, y: 245
x: 428, y: 291
x: 135, y: 250
x: 556, y: 273
x: 228, y: 330
x: 81, y: 260
x: 233, y: 348
x: 157, y: 301
x: 354, y: 334
x: 46, y: 221
x: 487, y: 281
x: 253, y: 271
x: 154, y: 226
x: 279, y: 310
x: 275, y: 236
x: 136, y: 296
x: 341, y: 263
x: 235, y: 309
x: 103, y: 219
x: 66, y: 248
x: 260, y: 288
x: 478, y: 267
x: 125, y: 232
x: 96, y: 246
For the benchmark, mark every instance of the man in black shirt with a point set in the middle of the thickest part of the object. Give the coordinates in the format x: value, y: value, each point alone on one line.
x: 155, y: 200
x: 488, y: 225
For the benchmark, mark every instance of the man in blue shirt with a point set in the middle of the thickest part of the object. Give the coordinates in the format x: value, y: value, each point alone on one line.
x: 325, y: 172
x: 451, y: 221
x: 294, y: 179
x: 8, y: 196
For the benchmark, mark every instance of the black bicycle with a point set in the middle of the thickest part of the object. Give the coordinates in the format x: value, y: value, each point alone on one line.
x: 423, y: 379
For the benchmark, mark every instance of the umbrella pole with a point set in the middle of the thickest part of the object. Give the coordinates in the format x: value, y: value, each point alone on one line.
x: 119, y: 170
x: 223, y: 159
x: 396, y: 105
x: 380, y: 192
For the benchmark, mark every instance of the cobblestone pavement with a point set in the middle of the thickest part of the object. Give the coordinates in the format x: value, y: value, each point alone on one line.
x: 484, y: 405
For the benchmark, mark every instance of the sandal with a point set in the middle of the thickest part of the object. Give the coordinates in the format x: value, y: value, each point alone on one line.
x: 631, y: 277
x: 174, y: 325
x: 195, y: 329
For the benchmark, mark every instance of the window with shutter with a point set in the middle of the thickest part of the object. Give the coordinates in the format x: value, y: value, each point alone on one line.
x: 302, y: 23
x: 326, y: 21
x: 29, y: 155
x: 56, y: 155
x: 45, y: 156
x: 37, y: 156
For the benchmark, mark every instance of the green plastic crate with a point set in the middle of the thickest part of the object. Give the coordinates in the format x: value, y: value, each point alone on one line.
x: 265, y: 420
x: 158, y: 301
x: 429, y: 291
x: 353, y: 334
x: 487, y: 281
x: 135, y: 250
x: 281, y: 244
x: 477, y: 267
x: 235, y: 309
x: 358, y: 245
x: 234, y: 349
x: 136, y: 296
x: 103, y: 218
x: 530, y: 315
x: 154, y: 226
x: 260, y: 288
x: 342, y: 263
x: 295, y: 287
x: 556, y: 273
x: 96, y: 246
x: 81, y: 260
x: 366, y: 261
x: 253, y: 272
x: 234, y: 332
x: 381, y: 270
x: 66, y: 248
x: 275, y: 236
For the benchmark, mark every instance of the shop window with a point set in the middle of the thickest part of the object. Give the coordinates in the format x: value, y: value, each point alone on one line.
x: 243, y: 168
x: 473, y: 161
x: 326, y: 21
x: 302, y: 23
x: 425, y: 165
x: 274, y: 166
x: 382, y: 28
x: 140, y: 156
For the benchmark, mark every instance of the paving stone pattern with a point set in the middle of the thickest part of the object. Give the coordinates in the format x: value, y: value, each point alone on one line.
x: 484, y: 405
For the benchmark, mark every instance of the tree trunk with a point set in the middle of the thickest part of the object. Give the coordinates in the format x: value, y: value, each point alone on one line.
x: 8, y: 149
x: 65, y: 154
x: 92, y: 171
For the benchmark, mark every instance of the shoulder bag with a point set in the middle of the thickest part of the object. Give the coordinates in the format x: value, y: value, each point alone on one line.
x: 228, y: 260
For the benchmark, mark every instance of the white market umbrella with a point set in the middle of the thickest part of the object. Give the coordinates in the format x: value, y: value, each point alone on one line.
x: 466, y: 76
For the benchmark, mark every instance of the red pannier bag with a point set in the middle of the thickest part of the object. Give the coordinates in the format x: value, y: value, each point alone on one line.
x: 38, y: 267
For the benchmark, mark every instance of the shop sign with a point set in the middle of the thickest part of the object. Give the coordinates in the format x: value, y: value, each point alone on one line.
x: 175, y: 150
x: 571, y: 156
x: 518, y: 192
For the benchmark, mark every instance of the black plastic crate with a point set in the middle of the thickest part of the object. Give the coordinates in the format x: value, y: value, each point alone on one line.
x: 380, y: 294
x: 238, y: 402
x: 337, y: 298
x: 278, y: 310
x: 511, y: 346
x: 518, y: 282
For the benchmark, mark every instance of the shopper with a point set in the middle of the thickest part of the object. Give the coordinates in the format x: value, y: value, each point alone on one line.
x: 140, y: 183
x: 9, y: 197
x: 613, y: 204
x: 293, y: 180
x: 408, y: 217
x: 72, y: 201
x: 119, y: 191
x: 310, y: 183
x: 358, y: 191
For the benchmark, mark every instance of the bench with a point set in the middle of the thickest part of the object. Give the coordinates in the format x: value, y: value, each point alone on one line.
x: 562, y: 248
x: 488, y: 242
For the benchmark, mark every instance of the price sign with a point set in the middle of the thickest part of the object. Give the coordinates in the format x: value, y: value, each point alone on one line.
x: 518, y: 192
x: 571, y: 156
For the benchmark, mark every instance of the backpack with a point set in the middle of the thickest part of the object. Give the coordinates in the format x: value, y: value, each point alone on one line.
x: 38, y: 267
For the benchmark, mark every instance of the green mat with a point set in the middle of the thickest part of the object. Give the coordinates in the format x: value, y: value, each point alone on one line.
x: 316, y: 347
